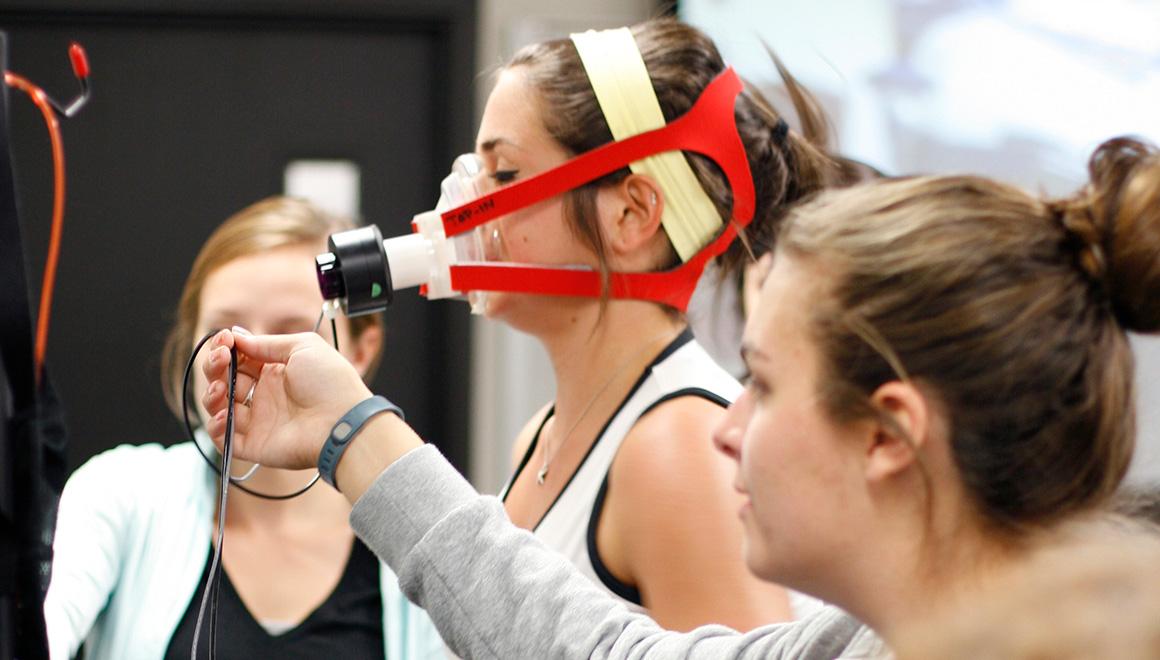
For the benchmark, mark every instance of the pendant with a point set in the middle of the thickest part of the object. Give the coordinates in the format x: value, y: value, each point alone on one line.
x: 541, y: 475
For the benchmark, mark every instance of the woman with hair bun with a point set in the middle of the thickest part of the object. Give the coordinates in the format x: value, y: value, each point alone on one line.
x: 941, y: 385
x: 941, y: 382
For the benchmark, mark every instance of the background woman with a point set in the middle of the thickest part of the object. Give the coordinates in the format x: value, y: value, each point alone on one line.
x: 133, y: 539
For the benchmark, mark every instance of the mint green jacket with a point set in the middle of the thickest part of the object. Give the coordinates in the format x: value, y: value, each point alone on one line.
x: 132, y: 540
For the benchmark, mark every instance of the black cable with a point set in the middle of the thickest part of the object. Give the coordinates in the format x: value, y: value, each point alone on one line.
x: 212, y: 589
x: 213, y: 580
x: 227, y: 461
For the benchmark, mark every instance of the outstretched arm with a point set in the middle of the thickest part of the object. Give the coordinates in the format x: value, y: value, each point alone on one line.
x: 493, y: 590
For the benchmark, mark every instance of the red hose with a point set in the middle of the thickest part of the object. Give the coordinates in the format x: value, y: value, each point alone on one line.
x: 42, y: 318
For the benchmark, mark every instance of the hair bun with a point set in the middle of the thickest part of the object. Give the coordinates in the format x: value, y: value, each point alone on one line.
x: 1116, y: 221
x: 1075, y: 216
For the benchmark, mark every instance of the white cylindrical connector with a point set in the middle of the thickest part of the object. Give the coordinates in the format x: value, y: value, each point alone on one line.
x: 353, y: 269
x: 410, y: 257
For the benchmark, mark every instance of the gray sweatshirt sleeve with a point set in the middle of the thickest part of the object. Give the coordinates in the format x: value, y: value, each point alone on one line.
x: 495, y: 591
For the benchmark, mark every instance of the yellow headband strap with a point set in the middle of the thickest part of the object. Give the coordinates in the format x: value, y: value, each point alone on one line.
x: 625, y: 93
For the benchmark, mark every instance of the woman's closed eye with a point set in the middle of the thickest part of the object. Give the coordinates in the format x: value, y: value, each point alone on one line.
x: 504, y: 176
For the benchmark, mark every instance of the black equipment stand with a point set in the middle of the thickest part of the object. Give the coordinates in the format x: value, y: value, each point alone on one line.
x: 32, y: 436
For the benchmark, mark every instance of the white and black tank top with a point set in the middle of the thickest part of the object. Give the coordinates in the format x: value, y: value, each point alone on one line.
x: 683, y: 368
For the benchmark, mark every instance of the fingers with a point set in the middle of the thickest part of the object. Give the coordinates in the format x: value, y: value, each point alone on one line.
x: 216, y: 426
x: 220, y: 355
x: 216, y: 366
x: 216, y: 370
x: 215, y: 395
x: 245, y: 387
x: 271, y: 348
x: 254, y: 353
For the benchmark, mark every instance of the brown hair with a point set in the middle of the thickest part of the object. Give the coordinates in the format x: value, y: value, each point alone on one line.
x: 271, y: 223
x: 681, y: 62
x: 1012, y: 310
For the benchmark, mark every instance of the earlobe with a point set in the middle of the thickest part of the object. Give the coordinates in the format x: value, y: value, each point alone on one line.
x: 900, y: 433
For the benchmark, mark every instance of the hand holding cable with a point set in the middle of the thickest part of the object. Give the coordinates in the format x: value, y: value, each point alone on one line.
x: 303, y: 386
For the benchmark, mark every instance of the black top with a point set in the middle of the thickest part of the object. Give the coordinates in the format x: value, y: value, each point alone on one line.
x: 348, y: 624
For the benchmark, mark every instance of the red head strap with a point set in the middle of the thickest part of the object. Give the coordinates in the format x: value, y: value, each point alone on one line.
x: 708, y: 128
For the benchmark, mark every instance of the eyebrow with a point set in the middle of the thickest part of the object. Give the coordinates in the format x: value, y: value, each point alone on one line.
x: 489, y: 146
x: 224, y: 318
x: 218, y: 314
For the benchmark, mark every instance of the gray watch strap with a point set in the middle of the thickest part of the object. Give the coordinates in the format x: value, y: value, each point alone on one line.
x: 346, y: 429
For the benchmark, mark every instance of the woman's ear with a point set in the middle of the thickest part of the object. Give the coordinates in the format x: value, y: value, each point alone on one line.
x: 365, y: 347
x: 633, y: 214
x: 902, y: 431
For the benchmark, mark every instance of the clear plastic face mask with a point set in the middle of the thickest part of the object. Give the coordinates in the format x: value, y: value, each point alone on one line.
x: 483, y: 243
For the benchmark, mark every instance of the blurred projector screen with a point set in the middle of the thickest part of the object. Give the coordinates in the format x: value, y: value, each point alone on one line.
x: 1020, y: 90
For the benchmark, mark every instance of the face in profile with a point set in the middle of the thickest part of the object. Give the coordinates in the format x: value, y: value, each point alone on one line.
x: 513, y: 144
x: 795, y: 466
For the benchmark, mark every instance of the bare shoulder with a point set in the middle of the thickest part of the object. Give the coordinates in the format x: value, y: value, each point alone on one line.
x: 670, y: 440
x: 670, y: 525
x: 669, y: 454
x: 524, y: 437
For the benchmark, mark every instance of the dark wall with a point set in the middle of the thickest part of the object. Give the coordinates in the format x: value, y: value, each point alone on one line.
x: 196, y: 109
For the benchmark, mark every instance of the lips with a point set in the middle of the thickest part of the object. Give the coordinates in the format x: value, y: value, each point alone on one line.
x: 746, y: 503
x: 745, y: 507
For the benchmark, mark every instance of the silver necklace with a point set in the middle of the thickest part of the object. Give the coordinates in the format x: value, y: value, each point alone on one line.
x: 542, y: 473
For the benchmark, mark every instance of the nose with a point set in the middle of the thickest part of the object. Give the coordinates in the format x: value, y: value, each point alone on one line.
x: 727, y: 435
